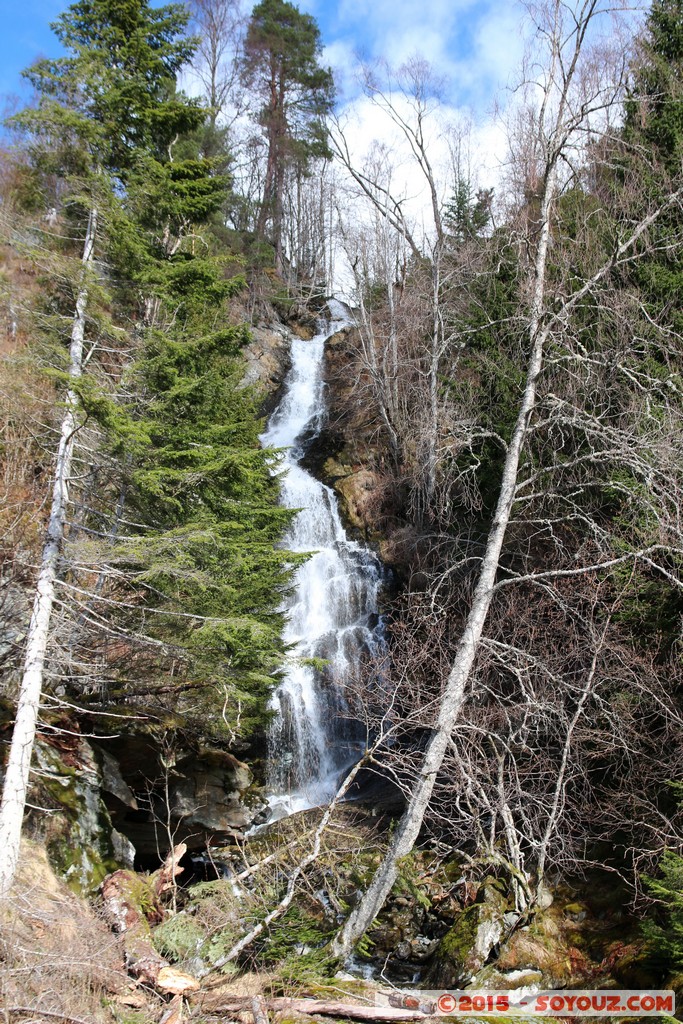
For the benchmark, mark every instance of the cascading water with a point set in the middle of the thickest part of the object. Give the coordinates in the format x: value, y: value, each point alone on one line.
x: 332, y: 611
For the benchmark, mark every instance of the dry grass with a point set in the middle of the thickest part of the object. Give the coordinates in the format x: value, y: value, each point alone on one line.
x: 56, y: 956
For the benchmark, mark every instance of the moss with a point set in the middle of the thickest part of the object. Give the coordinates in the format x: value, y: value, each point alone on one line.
x: 178, y: 938
x: 452, y: 870
x: 78, y: 839
x: 410, y: 883
x: 453, y: 954
x: 457, y: 943
x: 294, y: 933
x: 140, y: 895
x: 309, y: 970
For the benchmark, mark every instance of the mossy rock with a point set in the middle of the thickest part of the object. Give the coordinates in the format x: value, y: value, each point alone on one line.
x: 576, y: 911
x: 634, y: 965
x: 453, y: 960
x: 334, y: 469
x: 466, y: 947
x: 491, y: 977
x: 79, y: 837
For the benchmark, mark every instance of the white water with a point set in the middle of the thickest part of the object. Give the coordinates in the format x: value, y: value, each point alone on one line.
x: 332, y: 612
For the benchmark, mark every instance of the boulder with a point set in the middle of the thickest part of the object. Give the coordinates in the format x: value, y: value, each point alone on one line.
x: 198, y: 796
x: 208, y: 791
x: 358, y: 495
x: 471, y: 940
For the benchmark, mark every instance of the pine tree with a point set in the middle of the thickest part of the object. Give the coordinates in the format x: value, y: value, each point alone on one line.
x: 281, y: 63
x: 203, y: 548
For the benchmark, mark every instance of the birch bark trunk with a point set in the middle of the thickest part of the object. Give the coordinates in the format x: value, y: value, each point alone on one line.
x: 409, y: 827
x: 557, y: 120
x: 23, y: 736
x: 410, y: 824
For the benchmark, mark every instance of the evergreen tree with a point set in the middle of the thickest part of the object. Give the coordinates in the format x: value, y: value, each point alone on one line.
x: 653, y: 131
x: 654, y: 106
x: 113, y: 92
x: 466, y: 213
x: 102, y: 109
x: 667, y: 935
x: 281, y: 64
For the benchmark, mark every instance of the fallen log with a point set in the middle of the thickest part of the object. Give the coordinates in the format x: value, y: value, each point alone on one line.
x: 258, y: 1010
x: 130, y: 904
x: 217, y: 1003
x: 164, y: 879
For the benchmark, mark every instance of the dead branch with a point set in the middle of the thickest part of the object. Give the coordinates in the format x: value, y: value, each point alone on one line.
x: 233, y: 1004
x: 53, y: 1015
x: 259, y: 1010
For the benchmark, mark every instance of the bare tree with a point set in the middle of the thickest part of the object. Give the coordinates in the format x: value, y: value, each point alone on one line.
x: 568, y: 100
x: 409, y: 330
x: 220, y: 26
x: 18, y: 766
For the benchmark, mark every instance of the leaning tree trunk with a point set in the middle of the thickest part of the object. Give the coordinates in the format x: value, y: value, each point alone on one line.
x: 562, y: 120
x: 21, y: 748
x: 409, y: 827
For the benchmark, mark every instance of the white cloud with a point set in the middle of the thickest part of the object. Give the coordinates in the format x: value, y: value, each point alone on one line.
x: 474, y: 43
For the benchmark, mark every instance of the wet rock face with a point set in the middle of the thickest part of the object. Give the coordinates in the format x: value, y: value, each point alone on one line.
x: 267, y: 358
x: 346, y: 455
x: 116, y: 804
x: 196, y: 797
x: 75, y: 827
x: 210, y: 794
x: 357, y: 490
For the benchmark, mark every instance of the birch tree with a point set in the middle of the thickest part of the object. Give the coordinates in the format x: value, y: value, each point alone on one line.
x: 18, y: 765
x: 403, y: 271
x: 94, y: 116
x: 219, y: 25
x: 569, y: 96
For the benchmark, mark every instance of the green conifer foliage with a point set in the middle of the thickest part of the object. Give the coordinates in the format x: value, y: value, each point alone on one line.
x: 114, y: 89
x: 653, y: 130
x: 172, y: 555
x: 654, y: 108
x: 281, y: 64
x: 466, y: 214
x: 204, y: 552
x: 666, y: 934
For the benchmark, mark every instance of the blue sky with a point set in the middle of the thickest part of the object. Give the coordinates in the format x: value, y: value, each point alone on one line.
x: 474, y: 43
x: 24, y: 34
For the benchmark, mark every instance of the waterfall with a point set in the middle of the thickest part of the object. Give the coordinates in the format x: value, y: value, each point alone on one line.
x: 331, y: 613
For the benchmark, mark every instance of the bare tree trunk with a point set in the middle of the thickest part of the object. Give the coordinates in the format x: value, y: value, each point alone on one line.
x: 409, y: 827
x: 434, y: 354
x: 556, y: 121
x: 18, y: 765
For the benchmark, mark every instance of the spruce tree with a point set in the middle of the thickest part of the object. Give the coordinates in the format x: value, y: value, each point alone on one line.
x: 653, y: 131
x: 98, y: 109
